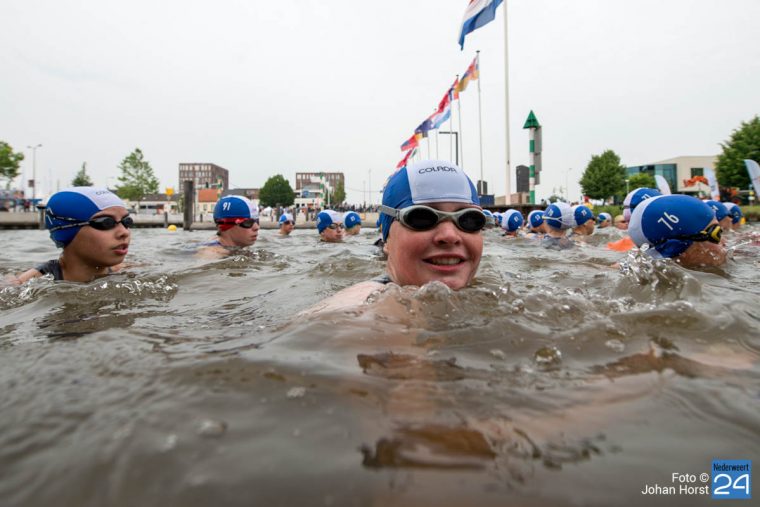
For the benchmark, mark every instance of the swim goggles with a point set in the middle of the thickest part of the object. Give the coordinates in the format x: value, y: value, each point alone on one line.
x: 712, y: 233
x: 104, y: 223
x: 336, y: 226
x: 228, y: 223
x: 424, y: 218
x: 288, y: 222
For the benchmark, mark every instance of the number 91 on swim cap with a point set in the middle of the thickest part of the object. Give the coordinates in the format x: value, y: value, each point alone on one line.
x: 731, y: 479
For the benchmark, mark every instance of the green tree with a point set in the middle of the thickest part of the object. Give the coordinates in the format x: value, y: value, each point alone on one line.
x: 81, y: 179
x: 641, y: 180
x: 137, y: 178
x: 604, y: 176
x: 338, y: 195
x: 9, y: 163
x: 744, y: 144
x: 276, y: 192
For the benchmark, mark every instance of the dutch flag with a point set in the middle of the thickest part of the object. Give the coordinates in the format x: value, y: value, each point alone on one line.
x: 477, y: 14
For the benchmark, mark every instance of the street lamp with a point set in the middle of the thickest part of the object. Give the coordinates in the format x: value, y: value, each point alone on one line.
x: 456, y: 143
x: 34, y: 170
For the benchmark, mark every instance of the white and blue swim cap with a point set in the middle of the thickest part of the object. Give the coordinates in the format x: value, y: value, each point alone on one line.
x: 326, y: 218
x: 511, y: 220
x: 536, y: 218
x: 235, y: 206
x: 664, y: 221
x: 425, y: 182
x: 581, y: 215
x: 351, y: 219
x: 285, y: 217
x: 635, y: 197
x: 734, y: 211
x: 719, y: 208
x: 559, y: 216
x: 603, y: 217
x: 75, y: 205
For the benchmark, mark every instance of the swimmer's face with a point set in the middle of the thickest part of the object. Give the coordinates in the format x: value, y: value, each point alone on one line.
x: 287, y: 227
x: 353, y: 231
x: 98, y: 248
x: 622, y: 225
x: 333, y: 235
x: 604, y: 224
x: 586, y: 229
x: 240, y: 236
x: 726, y: 224
x: 736, y: 226
x: 444, y: 253
x: 702, y: 254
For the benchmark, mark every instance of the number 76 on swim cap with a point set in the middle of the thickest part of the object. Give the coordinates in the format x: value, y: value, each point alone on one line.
x: 731, y: 479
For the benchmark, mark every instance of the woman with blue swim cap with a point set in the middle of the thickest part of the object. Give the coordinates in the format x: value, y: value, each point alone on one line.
x: 91, y: 225
x: 330, y: 226
x: 237, y: 226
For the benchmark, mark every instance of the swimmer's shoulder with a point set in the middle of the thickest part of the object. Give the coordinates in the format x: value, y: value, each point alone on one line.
x: 348, y: 298
x: 51, y: 267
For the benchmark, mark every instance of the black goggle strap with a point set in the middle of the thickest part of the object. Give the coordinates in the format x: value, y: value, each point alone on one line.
x: 76, y: 221
x: 712, y: 234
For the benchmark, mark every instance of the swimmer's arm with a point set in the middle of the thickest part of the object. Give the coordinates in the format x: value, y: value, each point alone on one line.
x: 211, y: 252
x: 348, y: 298
x: 25, y: 276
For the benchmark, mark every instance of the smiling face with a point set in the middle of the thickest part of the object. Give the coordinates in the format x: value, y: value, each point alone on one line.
x: 444, y: 253
x: 96, y: 248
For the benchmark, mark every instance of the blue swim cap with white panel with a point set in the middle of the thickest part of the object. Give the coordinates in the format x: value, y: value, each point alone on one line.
x: 512, y: 220
x: 352, y: 219
x: 536, y: 218
x: 426, y: 182
x: 73, y: 205
x: 581, y: 215
x: 326, y: 218
x: 235, y: 206
x: 603, y: 217
x: 734, y: 211
x: 636, y: 197
x: 559, y: 216
x: 719, y: 208
x: 285, y: 217
x: 660, y: 219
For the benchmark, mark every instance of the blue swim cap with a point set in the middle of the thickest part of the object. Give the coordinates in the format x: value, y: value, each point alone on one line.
x: 424, y: 182
x: 659, y: 220
x: 734, y: 211
x: 559, y: 216
x: 285, y: 217
x: 327, y: 217
x: 72, y: 205
x: 351, y: 219
x: 536, y: 218
x: 235, y: 206
x: 511, y: 220
x: 719, y: 208
x: 634, y: 198
x: 603, y: 216
x: 581, y: 215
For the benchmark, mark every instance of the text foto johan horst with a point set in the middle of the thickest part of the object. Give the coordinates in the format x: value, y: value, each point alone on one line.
x: 681, y: 489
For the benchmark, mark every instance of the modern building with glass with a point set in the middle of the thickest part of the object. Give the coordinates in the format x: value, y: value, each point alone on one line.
x: 680, y: 172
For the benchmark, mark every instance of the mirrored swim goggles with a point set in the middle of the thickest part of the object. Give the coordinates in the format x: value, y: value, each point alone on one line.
x: 424, y: 218
x: 712, y: 233
x: 104, y: 223
x: 229, y: 223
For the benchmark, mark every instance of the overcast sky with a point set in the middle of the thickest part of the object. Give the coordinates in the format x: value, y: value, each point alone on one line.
x: 266, y: 87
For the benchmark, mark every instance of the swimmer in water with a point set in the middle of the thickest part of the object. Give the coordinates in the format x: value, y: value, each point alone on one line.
x: 633, y: 199
x: 511, y: 222
x: 604, y: 220
x: 583, y: 221
x: 353, y: 223
x: 620, y: 222
x: 535, y: 224
x: 558, y: 219
x: 237, y: 226
x: 287, y: 224
x: 330, y: 226
x: 679, y: 227
x: 432, y: 226
x: 490, y: 219
x: 724, y: 218
x: 736, y: 215
x: 91, y: 225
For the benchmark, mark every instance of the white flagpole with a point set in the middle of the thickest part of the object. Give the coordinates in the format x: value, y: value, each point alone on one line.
x: 460, y: 136
x: 436, y: 144
x: 451, y: 131
x: 507, y: 189
x: 480, y: 120
x: 428, y: 144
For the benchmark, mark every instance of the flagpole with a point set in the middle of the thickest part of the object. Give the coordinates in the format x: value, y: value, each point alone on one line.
x: 459, y: 120
x: 507, y: 189
x: 480, y: 123
x: 451, y: 129
x: 436, y: 144
x: 428, y: 145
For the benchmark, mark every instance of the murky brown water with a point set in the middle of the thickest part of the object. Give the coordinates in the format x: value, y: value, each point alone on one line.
x: 555, y: 380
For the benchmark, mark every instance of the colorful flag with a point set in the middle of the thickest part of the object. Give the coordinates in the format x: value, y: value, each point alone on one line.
x: 453, y: 91
x: 477, y: 14
x: 412, y: 142
x: 423, y: 127
x: 440, y: 117
x: 470, y: 74
x: 404, y: 160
